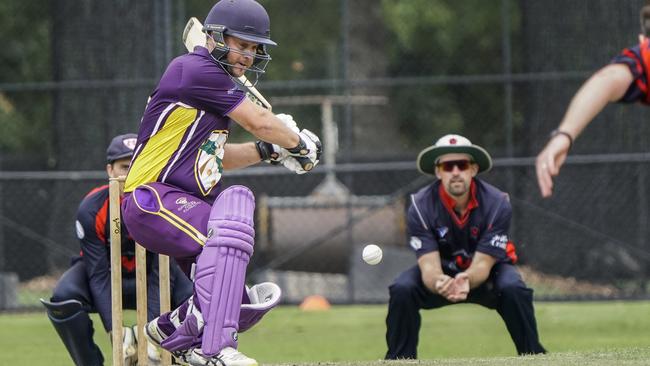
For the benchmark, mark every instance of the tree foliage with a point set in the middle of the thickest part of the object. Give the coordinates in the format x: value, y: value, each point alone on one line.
x: 25, y: 57
x: 424, y: 38
x: 440, y: 38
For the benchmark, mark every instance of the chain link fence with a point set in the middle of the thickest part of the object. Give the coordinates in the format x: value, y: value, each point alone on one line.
x: 379, y: 81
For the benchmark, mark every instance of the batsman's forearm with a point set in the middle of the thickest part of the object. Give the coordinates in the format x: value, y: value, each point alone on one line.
x: 272, y: 130
x: 263, y: 124
x: 237, y: 156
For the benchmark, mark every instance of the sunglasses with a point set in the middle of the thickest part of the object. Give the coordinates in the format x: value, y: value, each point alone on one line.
x: 448, y: 166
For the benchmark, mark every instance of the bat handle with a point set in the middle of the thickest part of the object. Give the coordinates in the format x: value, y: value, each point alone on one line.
x: 305, y: 163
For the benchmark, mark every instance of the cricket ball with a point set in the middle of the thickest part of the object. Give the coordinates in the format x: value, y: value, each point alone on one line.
x: 372, y: 254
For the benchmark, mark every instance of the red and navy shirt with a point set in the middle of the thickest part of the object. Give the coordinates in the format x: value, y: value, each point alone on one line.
x: 433, y: 225
x: 637, y: 58
x: 93, y: 232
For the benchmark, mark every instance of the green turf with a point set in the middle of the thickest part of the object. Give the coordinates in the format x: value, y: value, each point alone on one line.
x: 602, y: 333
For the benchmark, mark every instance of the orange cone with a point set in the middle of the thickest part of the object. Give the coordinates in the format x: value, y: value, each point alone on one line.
x: 314, y: 303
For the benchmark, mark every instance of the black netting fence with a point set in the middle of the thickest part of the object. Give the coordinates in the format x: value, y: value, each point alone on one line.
x: 379, y: 80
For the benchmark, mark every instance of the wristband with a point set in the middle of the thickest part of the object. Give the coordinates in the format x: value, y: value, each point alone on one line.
x: 300, y: 149
x: 264, y: 149
x: 556, y: 132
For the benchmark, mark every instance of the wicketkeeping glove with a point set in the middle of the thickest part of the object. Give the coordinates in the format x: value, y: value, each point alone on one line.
x: 129, y: 347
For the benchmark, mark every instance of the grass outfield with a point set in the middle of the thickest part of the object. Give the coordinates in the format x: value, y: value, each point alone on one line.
x: 599, y: 333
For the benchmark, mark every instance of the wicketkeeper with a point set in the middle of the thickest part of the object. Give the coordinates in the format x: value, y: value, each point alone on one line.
x: 86, y: 286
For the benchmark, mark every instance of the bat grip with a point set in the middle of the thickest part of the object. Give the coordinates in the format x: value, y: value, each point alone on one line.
x: 297, y: 152
x: 305, y: 163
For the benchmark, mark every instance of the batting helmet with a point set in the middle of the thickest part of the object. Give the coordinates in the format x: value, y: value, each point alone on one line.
x: 243, y: 19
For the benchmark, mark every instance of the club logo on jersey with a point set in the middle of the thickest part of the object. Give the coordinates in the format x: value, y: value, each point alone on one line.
x: 442, y: 231
x: 462, y: 259
x: 473, y: 231
x: 80, y: 230
x: 499, y: 241
x: 209, y: 161
x: 415, y: 243
x: 181, y: 201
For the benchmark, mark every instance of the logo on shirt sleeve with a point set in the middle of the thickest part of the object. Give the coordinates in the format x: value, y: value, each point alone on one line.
x: 499, y: 241
x: 415, y: 243
x: 80, y: 230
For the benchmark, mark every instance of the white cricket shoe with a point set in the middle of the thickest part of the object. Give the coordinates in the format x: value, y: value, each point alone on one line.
x: 155, y: 337
x: 227, y: 357
x: 153, y: 333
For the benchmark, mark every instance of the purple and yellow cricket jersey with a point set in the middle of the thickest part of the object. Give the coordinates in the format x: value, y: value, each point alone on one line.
x: 185, y: 127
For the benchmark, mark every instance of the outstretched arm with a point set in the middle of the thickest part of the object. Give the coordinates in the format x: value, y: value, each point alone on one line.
x: 607, y: 85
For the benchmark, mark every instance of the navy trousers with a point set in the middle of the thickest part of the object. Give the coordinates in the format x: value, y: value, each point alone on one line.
x: 504, y: 291
x: 73, y: 284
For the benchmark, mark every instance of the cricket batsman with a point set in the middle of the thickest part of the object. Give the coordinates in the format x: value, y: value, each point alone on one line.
x: 175, y: 203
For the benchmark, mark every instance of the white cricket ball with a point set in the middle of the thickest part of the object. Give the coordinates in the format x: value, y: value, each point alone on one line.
x: 372, y: 254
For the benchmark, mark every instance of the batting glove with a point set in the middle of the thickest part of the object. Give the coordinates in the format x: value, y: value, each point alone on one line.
x: 288, y: 121
x: 306, y: 154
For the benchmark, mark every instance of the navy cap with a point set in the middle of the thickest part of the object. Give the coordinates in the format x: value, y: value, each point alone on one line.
x: 121, y: 147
